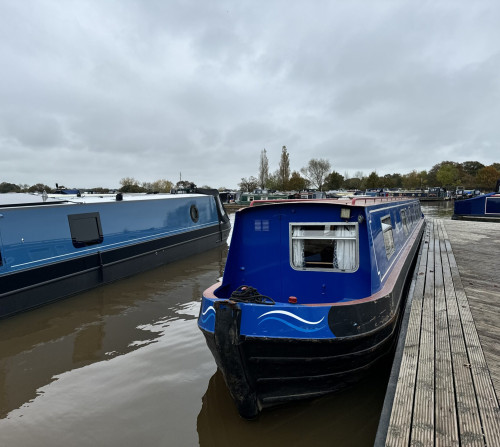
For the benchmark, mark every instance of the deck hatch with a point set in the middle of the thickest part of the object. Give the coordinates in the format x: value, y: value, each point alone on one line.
x: 85, y: 229
x: 324, y: 246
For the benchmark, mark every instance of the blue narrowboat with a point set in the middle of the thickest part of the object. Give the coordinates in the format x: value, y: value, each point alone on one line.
x: 311, y: 296
x: 485, y: 207
x: 51, y: 248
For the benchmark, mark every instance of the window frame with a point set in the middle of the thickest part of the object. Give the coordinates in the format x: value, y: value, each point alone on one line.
x: 291, y: 238
x: 404, y: 220
x: 389, y: 253
x: 79, y: 242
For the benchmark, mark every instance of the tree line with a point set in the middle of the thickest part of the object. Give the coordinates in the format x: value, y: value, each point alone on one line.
x: 317, y: 174
x: 127, y: 184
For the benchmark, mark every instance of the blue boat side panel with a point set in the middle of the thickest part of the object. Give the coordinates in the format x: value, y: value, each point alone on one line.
x: 34, y: 236
x: 400, y: 233
x: 493, y: 205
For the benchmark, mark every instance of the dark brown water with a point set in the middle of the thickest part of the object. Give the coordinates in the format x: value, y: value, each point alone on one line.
x: 125, y: 365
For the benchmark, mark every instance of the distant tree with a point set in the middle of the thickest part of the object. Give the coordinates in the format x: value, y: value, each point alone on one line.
x: 496, y: 166
x: 284, y: 169
x: 132, y: 188
x: 296, y: 182
x: 353, y: 183
x: 334, y: 180
x: 471, y: 167
x: 263, y: 169
x: 432, y: 178
x: 448, y: 175
x: 273, y: 181
x: 9, y: 187
x: 248, y: 185
x: 487, y: 177
x: 162, y: 185
x: 391, y: 181
x: 373, y: 181
x: 316, y: 172
x: 186, y: 185
x: 129, y: 181
x: 100, y: 190
x: 412, y: 180
x: 387, y: 181
x: 40, y: 187
x: 424, y: 182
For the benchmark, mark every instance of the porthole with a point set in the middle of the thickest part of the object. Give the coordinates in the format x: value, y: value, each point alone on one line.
x: 195, y: 215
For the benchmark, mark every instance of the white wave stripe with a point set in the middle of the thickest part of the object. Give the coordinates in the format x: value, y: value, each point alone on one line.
x: 284, y: 312
x: 209, y: 308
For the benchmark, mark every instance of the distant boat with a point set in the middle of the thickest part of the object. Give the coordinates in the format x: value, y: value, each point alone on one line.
x: 485, y: 207
x: 311, y: 296
x: 51, y: 248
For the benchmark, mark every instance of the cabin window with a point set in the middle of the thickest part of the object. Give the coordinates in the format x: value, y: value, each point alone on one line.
x: 324, y: 246
x: 85, y: 229
x: 404, y: 221
x: 388, y: 236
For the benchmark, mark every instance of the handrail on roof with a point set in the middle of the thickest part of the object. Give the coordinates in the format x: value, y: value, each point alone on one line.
x: 378, y: 199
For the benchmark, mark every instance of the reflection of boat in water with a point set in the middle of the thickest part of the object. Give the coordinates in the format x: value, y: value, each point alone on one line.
x: 100, y: 325
x: 349, y: 417
x: 52, y: 248
x: 323, y: 290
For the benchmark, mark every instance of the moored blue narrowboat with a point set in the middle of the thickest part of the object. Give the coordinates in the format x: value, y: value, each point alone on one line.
x: 311, y: 296
x: 485, y: 207
x: 51, y: 248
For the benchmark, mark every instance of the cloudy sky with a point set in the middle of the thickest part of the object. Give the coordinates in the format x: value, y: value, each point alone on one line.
x: 98, y: 90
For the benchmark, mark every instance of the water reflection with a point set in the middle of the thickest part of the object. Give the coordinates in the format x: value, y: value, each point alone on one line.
x: 114, y: 320
x: 440, y: 210
x: 348, y: 418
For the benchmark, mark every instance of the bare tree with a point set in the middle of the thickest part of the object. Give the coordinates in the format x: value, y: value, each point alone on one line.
x: 249, y: 184
x: 316, y: 172
x: 263, y: 169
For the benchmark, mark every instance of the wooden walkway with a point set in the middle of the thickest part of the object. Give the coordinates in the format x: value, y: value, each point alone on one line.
x: 447, y: 364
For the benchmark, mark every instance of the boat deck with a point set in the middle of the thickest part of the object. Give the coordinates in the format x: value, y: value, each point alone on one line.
x: 444, y: 388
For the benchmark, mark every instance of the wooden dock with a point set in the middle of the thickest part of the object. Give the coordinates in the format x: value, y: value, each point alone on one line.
x: 444, y: 388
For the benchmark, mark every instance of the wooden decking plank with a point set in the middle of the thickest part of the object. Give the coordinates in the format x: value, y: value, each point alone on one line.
x: 398, y: 433
x: 423, y: 427
x: 485, y: 392
x: 446, y: 412
x: 455, y: 401
x: 469, y: 423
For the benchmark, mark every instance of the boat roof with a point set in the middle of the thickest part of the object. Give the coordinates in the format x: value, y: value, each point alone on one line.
x: 359, y: 201
x: 9, y: 200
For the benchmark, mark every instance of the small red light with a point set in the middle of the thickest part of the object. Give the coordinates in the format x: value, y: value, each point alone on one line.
x: 292, y: 300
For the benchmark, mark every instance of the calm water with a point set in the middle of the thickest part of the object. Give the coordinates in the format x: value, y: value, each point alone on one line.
x: 125, y: 365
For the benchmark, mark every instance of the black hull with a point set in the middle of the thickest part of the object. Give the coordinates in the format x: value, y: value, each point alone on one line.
x: 263, y: 372
x: 35, y: 287
x: 475, y: 217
